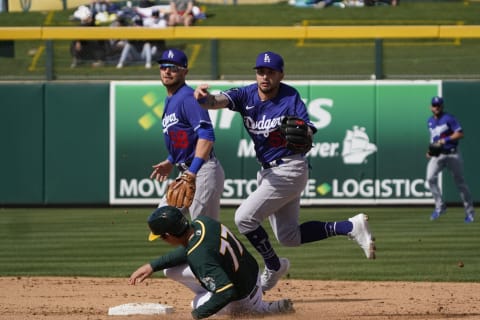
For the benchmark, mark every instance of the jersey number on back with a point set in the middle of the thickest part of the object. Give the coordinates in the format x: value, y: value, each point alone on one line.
x: 227, y: 239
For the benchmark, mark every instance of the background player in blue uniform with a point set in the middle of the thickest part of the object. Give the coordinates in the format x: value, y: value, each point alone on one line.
x: 446, y: 130
x: 283, y: 174
x: 189, y: 138
x: 222, y: 273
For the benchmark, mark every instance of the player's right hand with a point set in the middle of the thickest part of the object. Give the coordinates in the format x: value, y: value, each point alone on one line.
x: 201, y: 92
x: 161, y: 170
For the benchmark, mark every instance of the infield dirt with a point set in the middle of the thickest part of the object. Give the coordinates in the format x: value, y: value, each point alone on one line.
x: 90, y: 298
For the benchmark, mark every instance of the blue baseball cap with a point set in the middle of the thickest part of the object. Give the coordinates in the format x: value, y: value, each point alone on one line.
x: 437, y: 101
x: 174, y: 56
x: 269, y: 60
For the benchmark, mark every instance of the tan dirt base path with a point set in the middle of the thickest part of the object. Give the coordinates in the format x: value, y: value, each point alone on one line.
x: 75, y: 298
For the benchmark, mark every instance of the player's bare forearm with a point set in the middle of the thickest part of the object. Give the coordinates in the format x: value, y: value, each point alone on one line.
x: 457, y: 135
x: 209, y: 101
x: 217, y: 101
x: 203, y: 149
x: 202, y: 154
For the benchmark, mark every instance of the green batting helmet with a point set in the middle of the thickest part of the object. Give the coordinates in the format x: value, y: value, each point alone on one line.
x: 166, y: 219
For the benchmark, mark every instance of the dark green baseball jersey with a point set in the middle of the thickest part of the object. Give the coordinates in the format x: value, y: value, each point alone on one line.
x: 219, y: 261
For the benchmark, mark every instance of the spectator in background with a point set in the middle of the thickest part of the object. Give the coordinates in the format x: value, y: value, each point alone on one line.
x: 319, y: 4
x: 181, y: 12
x: 143, y: 49
x: 104, y: 11
x: 156, y: 20
x: 146, y: 3
x: 98, y: 6
x: 95, y: 50
x: 136, y: 50
x: 322, y: 3
x: 392, y: 3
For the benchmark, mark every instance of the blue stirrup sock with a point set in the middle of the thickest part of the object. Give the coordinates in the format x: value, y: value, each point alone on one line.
x: 315, y: 230
x: 259, y: 239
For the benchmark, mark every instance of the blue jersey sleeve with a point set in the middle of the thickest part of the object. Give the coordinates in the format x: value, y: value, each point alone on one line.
x: 454, y: 124
x: 444, y: 127
x: 206, y: 133
x: 236, y: 98
x: 184, y: 120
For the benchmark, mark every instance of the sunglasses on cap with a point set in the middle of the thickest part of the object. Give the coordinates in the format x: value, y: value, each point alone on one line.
x: 436, y: 105
x: 172, y: 67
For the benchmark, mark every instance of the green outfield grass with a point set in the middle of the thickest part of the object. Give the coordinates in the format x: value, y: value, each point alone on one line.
x: 332, y: 59
x: 112, y: 242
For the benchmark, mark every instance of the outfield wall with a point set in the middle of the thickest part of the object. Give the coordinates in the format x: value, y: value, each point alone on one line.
x: 94, y: 144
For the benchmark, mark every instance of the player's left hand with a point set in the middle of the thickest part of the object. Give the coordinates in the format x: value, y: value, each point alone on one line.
x: 180, y: 192
x: 434, y: 149
x: 297, y: 134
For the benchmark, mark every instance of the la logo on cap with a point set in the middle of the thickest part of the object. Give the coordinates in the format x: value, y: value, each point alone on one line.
x: 269, y: 60
x: 170, y: 54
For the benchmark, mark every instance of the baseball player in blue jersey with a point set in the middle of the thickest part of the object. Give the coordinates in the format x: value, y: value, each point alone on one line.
x: 283, y: 173
x: 216, y: 266
x: 189, y: 138
x: 446, y: 131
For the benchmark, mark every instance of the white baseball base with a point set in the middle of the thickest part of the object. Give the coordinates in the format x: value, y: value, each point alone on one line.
x: 139, y: 308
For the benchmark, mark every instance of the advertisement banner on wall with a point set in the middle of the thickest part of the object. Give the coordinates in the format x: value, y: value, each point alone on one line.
x: 369, y: 148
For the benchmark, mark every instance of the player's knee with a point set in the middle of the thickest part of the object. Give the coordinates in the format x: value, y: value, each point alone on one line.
x: 431, y: 181
x: 175, y: 273
x: 290, y: 240
x: 238, y: 220
x: 171, y: 273
x: 244, y: 221
x: 243, y: 224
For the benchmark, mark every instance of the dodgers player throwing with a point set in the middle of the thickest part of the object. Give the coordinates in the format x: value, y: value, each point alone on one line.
x: 283, y: 174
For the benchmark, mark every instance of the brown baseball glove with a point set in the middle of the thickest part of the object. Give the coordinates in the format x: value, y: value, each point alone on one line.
x: 181, y: 191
